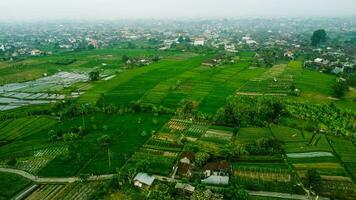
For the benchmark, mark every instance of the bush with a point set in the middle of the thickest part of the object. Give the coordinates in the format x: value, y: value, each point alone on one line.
x: 94, y: 75
x: 340, y: 89
x: 67, y: 61
x: 12, y: 162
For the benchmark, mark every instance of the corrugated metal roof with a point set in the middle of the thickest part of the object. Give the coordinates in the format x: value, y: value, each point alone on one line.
x: 216, y: 180
x: 144, y: 178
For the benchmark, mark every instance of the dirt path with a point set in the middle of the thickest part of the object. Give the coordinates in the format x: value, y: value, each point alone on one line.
x: 54, y: 179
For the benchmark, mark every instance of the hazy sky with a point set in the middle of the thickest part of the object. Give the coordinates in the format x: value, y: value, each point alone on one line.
x: 117, y: 9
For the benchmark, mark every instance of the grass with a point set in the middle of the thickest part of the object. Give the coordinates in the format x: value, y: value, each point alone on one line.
x: 287, y: 134
x: 324, y: 168
x: 264, y: 198
x: 11, y: 184
x: 218, y: 134
x: 239, y: 75
x: 315, y: 85
x: 261, y: 165
x: 318, y: 143
x: 344, y: 148
x: 250, y: 135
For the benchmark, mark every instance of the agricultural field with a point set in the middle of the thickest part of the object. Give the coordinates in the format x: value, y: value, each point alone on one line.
x: 126, y: 132
x: 275, y: 81
x: 159, y: 157
x: 213, y: 134
x: 11, y: 184
x: 150, y: 135
x: 70, y: 191
x: 287, y: 134
x: 306, y: 150
x: 269, y: 172
x: 248, y: 135
x: 40, y: 158
x: 315, y: 86
x: 345, y: 151
x: 14, y: 129
x: 159, y: 154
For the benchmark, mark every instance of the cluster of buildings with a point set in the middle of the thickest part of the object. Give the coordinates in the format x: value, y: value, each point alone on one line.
x: 216, y: 172
x: 331, y: 61
x: 289, y: 37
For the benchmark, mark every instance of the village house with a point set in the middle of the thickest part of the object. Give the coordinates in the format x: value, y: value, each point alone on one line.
x: 337, y: 70
x: 230, y: 48
x: 318, y: 60
x: 213, y: 62
x: 289, y: 55
x: 185, y: 164
x: 143, y: 180
x: 217, y: 173
x: 199, y: 42
x: 2, y: 47
x: 36, y: 52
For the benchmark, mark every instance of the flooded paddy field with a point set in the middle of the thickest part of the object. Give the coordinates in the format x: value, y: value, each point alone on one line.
x: 41, y: 91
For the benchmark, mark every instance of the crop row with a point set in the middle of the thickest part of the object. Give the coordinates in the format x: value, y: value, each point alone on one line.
x: 277, y: 175
x: 24, y: 126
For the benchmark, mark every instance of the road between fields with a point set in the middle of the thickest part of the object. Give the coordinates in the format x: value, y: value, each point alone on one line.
x: 161, y: 178
x: 54, y: 179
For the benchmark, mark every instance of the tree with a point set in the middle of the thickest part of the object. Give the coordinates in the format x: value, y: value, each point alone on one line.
x: 351, y: 80
x: 201, y: 158
x: 181, y: 39
x: 235, y: 192
x: 319, y: 37
x: 205, y: 195
x: 158, y: 194
x: 229, y: 151
x: 94, y: 75
x: 155, y: 58
x: 187, y: 108
x: 104, y: 140
x: 91, y: 46
x: 249, y: 111
x: 125, y: 58
x: 313, y: 180
x: 340, y: 88
x: 235, y: 130
x: 12, y: 162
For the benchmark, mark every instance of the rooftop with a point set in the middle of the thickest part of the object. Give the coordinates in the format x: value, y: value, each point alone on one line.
x: 144, y: 178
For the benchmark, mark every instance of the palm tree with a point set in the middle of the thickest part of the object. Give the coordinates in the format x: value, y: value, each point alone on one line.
x: 82, y: 106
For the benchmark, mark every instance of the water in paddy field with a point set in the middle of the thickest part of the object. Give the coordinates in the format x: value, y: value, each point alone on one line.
x: 40, y: 91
